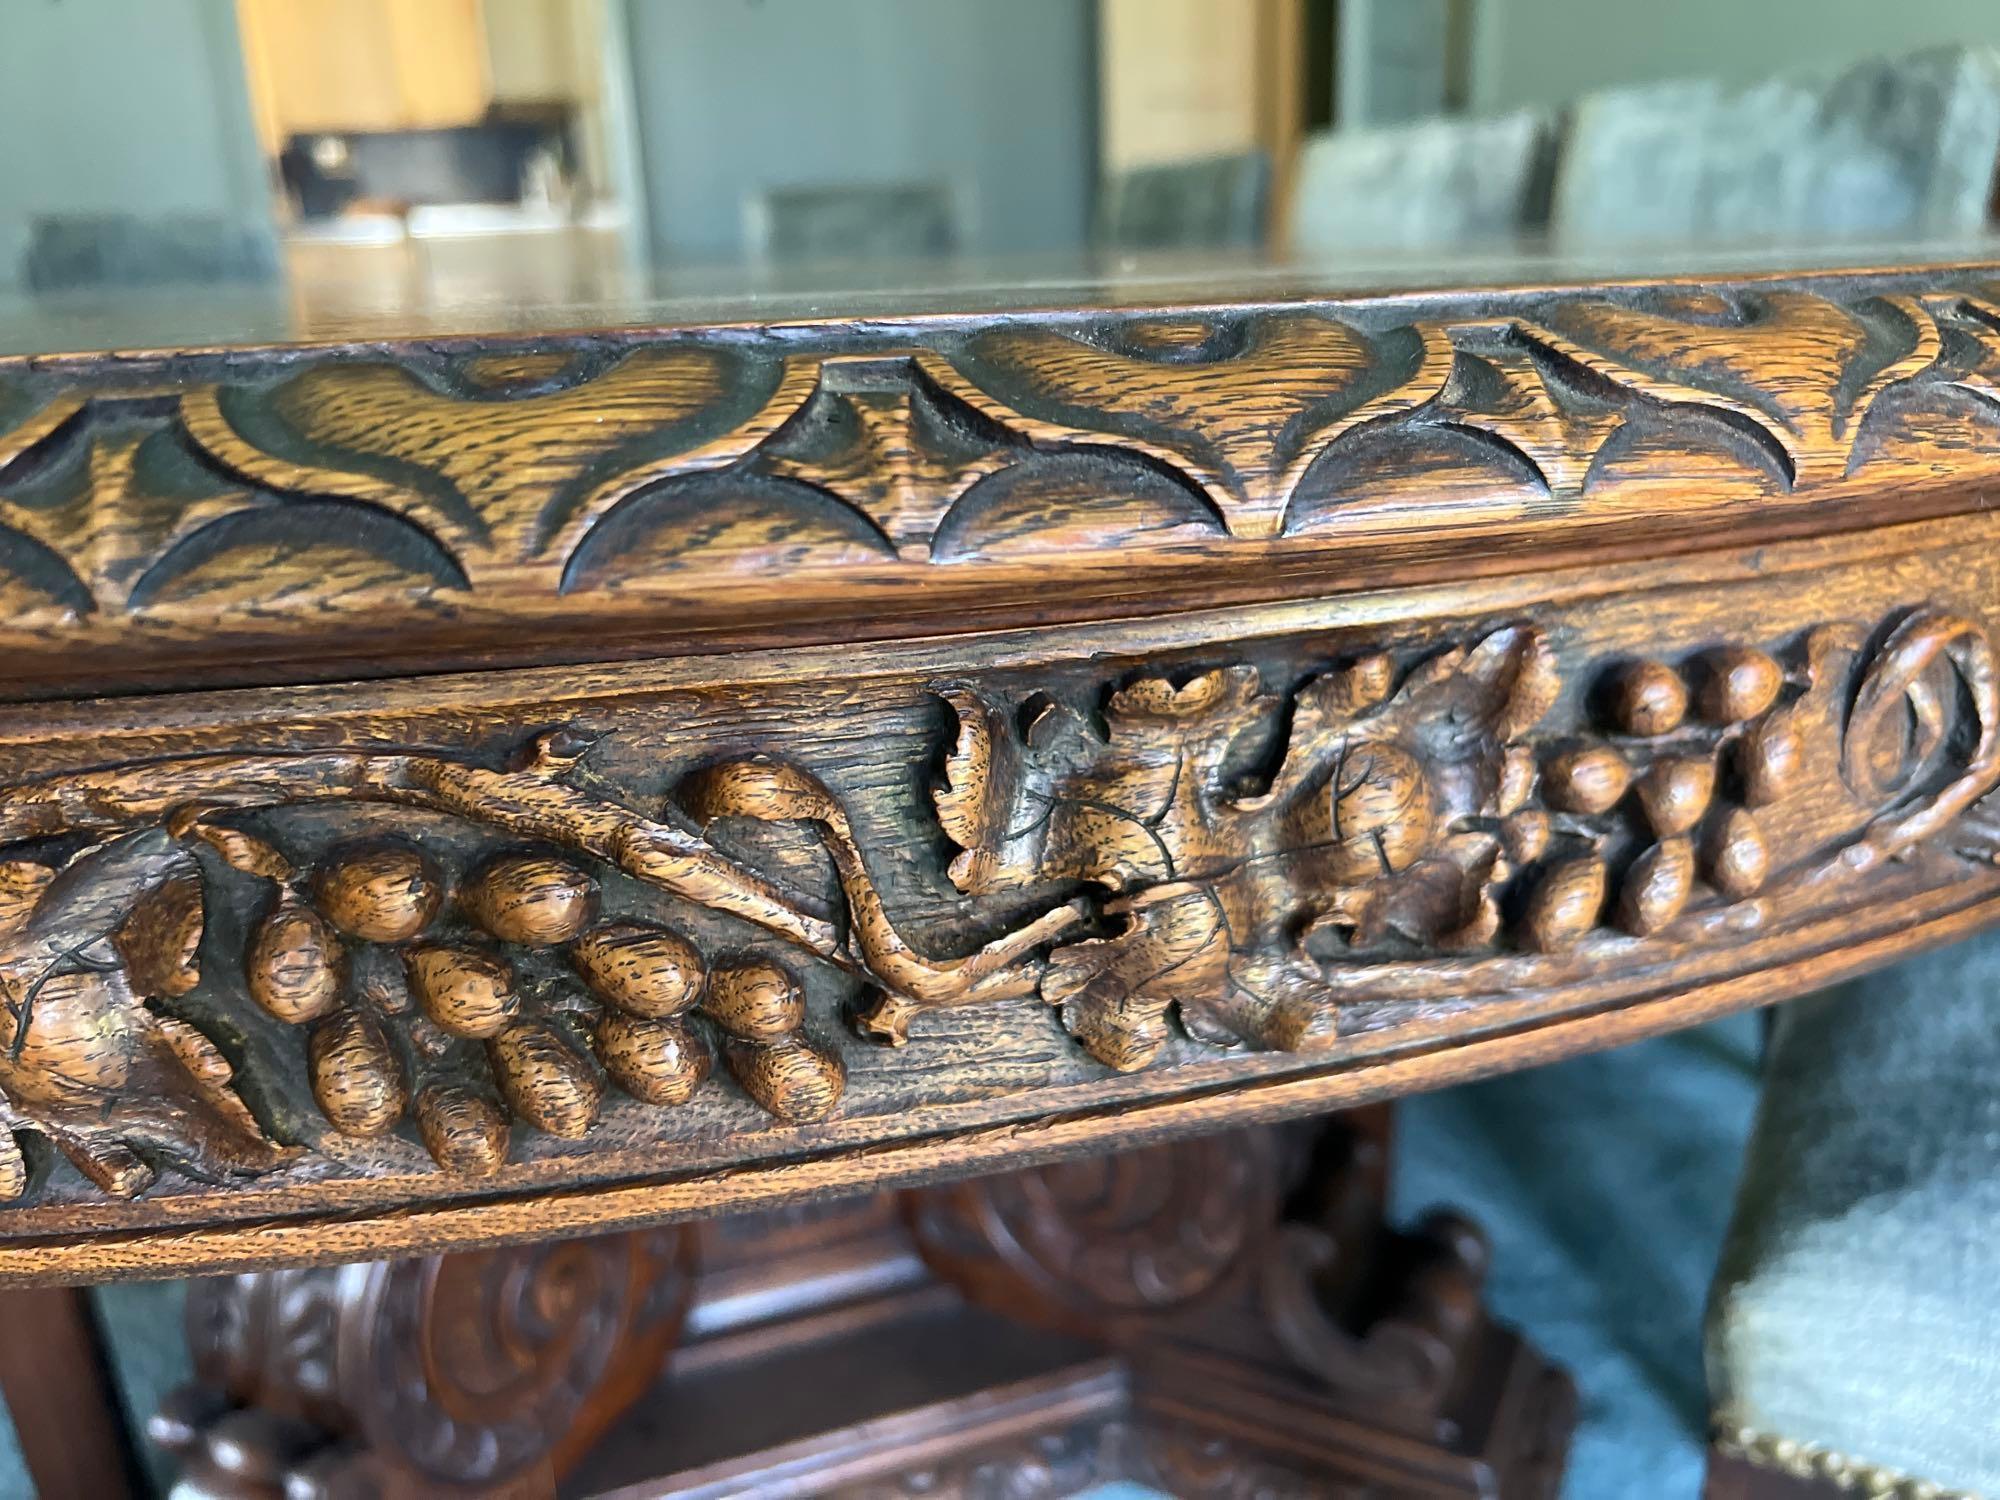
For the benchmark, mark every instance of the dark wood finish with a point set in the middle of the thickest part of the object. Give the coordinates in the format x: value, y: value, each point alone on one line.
x: 1214, y: 1317
x: 1081, y: 726
x: 485, y: 1372
x: 248, y: 990
x: 278, y: 514
x: 61, y: 1399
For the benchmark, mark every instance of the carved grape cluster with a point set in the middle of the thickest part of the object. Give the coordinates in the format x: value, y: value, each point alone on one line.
x: 1664, y: 762
x: 414, y: 1014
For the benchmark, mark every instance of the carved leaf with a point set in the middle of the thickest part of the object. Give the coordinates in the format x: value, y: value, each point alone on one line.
x: 996, y: 798
x: 1114, y: 993
x: 1380, y: 825
x: 972, y: 798
x: 1125, y: 807
x: 83, y: 1058
x: 213, y: 1078
x: 13, y: 1167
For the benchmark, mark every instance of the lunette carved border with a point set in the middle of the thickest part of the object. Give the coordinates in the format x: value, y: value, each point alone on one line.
x: 277, y: 492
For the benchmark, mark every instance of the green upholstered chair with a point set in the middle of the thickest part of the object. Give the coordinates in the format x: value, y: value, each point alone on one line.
x: 1213, y: 203
x: 1854, y: 1326
x: 1435, y: 186
x: 1899, y: 146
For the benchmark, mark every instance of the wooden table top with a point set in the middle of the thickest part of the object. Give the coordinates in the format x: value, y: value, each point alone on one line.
x: 479, y: 772
x: 472, y: 480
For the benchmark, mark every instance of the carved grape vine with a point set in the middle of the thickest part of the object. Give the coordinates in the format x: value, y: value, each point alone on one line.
x: 416, y: 1004
x: 1409, y: 825
x: 1262, y: 867
x: 437, y: 1016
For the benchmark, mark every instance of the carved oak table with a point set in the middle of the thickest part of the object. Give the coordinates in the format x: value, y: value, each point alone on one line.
x: 467, y: 787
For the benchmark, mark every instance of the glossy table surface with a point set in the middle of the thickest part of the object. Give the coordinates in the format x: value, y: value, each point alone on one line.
x: 486, y: 285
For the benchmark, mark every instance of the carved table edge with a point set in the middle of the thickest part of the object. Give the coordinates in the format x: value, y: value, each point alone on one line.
x: 196, y: 706
x: 177, y: 1251
x: 138, y: 492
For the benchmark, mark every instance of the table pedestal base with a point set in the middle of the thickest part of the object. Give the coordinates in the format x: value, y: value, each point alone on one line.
x: 1224, y: 1317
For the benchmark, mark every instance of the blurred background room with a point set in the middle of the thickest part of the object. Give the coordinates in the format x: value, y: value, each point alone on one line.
x: 323, y: 162
x: 362, y: 154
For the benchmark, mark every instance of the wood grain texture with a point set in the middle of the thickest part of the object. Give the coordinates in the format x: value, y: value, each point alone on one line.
x: 1273, y: 865
x: 1669, y: 689
x: 276, y: 514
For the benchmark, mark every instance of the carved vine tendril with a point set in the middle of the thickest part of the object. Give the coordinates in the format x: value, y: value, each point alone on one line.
x: 390, y: 896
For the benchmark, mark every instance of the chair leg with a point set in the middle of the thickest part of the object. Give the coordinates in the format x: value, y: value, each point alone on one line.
x: 60, y: 1394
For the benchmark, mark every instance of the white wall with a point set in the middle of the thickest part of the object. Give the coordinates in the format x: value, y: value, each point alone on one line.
x: 1546, y: 52
x: 734, y: 97
x: 123, y: 106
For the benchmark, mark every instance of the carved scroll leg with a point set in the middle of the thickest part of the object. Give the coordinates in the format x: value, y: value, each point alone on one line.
x: 480, y: 1373
x: 1266, y: 1313
x: 1408, y: 1348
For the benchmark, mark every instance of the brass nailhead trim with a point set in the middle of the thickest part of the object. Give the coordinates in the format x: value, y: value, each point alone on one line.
x: 1811, y: 1461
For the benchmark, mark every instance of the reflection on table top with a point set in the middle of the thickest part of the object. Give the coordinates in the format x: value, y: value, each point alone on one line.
x: 513, y: 286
